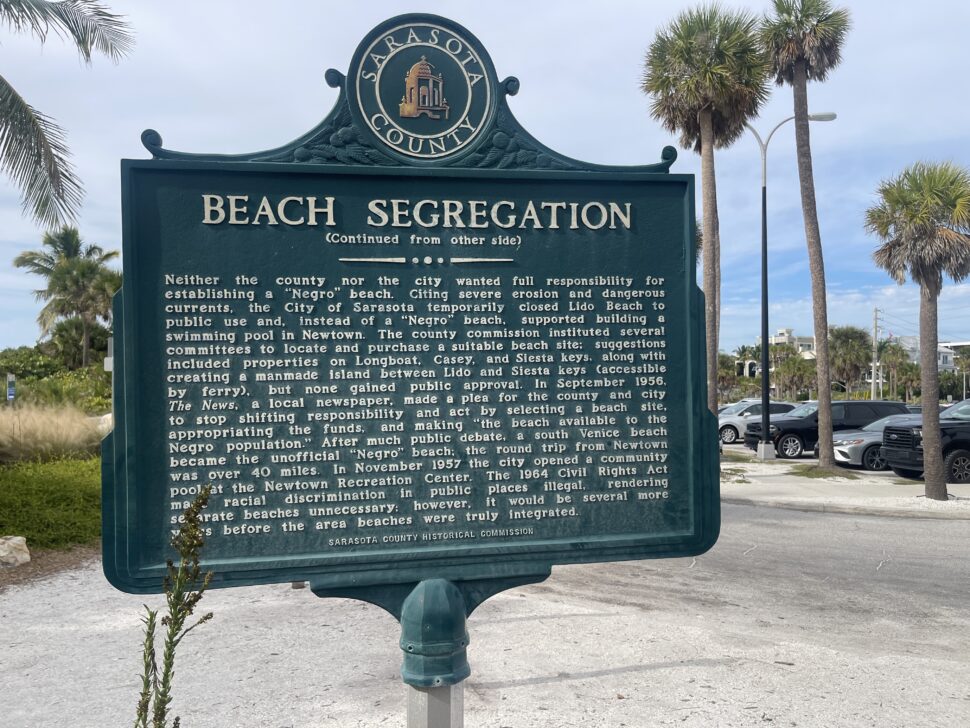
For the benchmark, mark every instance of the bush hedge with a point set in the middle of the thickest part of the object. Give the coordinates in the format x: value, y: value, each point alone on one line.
x: 54, y: 505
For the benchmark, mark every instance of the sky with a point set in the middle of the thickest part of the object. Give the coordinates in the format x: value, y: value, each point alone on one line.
x: 226, y: 76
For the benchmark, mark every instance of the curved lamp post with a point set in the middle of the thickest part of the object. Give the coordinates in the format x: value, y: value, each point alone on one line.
x: 765, y: 449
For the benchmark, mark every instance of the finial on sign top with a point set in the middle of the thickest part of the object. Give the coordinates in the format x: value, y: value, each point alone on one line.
x: 334, y: 78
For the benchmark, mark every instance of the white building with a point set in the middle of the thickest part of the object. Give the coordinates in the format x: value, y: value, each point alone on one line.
x: 805, y: 345
x: 944, y: 354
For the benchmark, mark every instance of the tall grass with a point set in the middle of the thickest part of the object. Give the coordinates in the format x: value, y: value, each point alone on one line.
x: 43, y: 434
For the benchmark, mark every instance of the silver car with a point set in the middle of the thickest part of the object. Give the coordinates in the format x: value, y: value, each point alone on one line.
x: 862, y: 447
x: 732, y: 421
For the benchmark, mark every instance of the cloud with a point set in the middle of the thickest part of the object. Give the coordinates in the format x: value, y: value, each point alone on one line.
x: 221, y: 76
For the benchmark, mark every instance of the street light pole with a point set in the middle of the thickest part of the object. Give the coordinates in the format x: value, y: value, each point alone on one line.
x: 765, y: 450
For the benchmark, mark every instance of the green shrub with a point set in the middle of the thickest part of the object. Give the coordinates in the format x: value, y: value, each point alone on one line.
x: 64, y: 343
x: 43, y: 434
x: 54, y: 505
x: 28, y: 364
x: 88, y: 389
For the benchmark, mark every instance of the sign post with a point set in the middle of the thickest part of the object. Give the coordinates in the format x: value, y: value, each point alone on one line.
x: 420, y: 357
x: 11, y: 387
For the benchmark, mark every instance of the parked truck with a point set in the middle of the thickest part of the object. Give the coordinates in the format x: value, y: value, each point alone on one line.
x: 902, y: 446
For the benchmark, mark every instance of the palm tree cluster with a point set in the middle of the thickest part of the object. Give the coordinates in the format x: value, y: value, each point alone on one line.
x: 793, y: 376
x: 33, y: 150
x: 78, y: 289
x: 850, y: 352
x: 708, y: 73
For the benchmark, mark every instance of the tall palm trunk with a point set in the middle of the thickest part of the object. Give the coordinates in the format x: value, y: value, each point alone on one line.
x: 85, y: 342
x: 933, y: 475
x: 711, y: 253
x: 816, y: 264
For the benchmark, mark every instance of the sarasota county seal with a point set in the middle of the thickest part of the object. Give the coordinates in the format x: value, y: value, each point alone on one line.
x: 424, y: 89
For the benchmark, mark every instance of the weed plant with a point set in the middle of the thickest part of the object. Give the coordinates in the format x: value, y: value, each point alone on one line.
x: 184, y: 586
x: 43, y: 434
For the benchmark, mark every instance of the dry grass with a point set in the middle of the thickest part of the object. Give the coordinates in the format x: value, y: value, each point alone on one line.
x: 42, y: 434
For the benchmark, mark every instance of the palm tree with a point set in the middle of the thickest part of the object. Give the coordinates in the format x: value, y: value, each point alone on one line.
x: 727, y: 376
x: 804, y: 42
x: 923, y: 220
x: 850, y: 349
x: 77, y: 281
x: 33, y: 151
x: 80, y: 288
x: 794, y: 375
x: 893, y: 356
x: 909, y: 379
x: 779, y: 353
x: 707, y: 75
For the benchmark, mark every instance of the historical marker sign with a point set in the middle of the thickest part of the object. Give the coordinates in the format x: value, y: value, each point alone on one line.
x: 415, y: 343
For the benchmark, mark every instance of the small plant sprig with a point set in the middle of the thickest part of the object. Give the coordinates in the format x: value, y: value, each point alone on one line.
x: 184, y: 586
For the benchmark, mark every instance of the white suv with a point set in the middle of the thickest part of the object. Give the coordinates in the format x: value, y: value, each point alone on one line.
x: 733, y: 420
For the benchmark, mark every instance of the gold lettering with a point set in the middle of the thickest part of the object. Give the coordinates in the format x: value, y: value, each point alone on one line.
x: 212, y: 204
x: 312, y: 209
x: 235, y: 210
x: 281, y: 211
x: 265, y: 210
x: 510, y: 220
x: 377, y: 207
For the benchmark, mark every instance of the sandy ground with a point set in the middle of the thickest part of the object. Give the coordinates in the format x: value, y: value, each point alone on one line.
x: 755, y: 633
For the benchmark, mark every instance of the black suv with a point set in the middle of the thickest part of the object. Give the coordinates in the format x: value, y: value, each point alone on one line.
x: 902, y: 447
x: 797, y: 431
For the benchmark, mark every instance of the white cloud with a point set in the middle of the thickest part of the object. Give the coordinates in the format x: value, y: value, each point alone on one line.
x: 224, y: 76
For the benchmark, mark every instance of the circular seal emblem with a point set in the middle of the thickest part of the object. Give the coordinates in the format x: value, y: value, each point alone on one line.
x: 422, y: 87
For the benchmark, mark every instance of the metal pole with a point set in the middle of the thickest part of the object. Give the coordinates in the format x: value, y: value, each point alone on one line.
x: 436, y: 707
x: 765, y: 450
x: 765, y: 399
x: 875, y: 350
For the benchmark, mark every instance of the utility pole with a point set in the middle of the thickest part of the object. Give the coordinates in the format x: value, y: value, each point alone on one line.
x: 875, y: 350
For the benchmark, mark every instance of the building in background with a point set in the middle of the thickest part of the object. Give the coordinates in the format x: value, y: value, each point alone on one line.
x: 750, y: 366
x: 805, y: 345
x: 944, y: 354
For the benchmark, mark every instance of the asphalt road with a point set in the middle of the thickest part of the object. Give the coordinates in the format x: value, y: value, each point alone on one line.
x: 831, y: 577
x: 793, y: 619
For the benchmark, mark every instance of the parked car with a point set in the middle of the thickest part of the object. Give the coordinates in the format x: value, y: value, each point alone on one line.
x: 902, y: 445
x: 733, y: 420
x: 797, y: 431
x: 864, y: 447
x: 914, y: 409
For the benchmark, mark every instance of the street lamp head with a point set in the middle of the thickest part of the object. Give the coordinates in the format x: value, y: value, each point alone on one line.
x: 824, y: 116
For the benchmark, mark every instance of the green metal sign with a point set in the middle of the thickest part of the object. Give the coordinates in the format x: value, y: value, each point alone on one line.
x: 414, y: 344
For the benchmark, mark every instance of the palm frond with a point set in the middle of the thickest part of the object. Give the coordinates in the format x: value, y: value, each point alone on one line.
x: 922, y: 219
x: 706, y: 59
x: 810, y: 31
x: 34, y: 155
x: 90, y: 25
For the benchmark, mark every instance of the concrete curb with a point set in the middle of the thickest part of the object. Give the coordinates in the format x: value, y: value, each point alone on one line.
x: 846, y: 509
